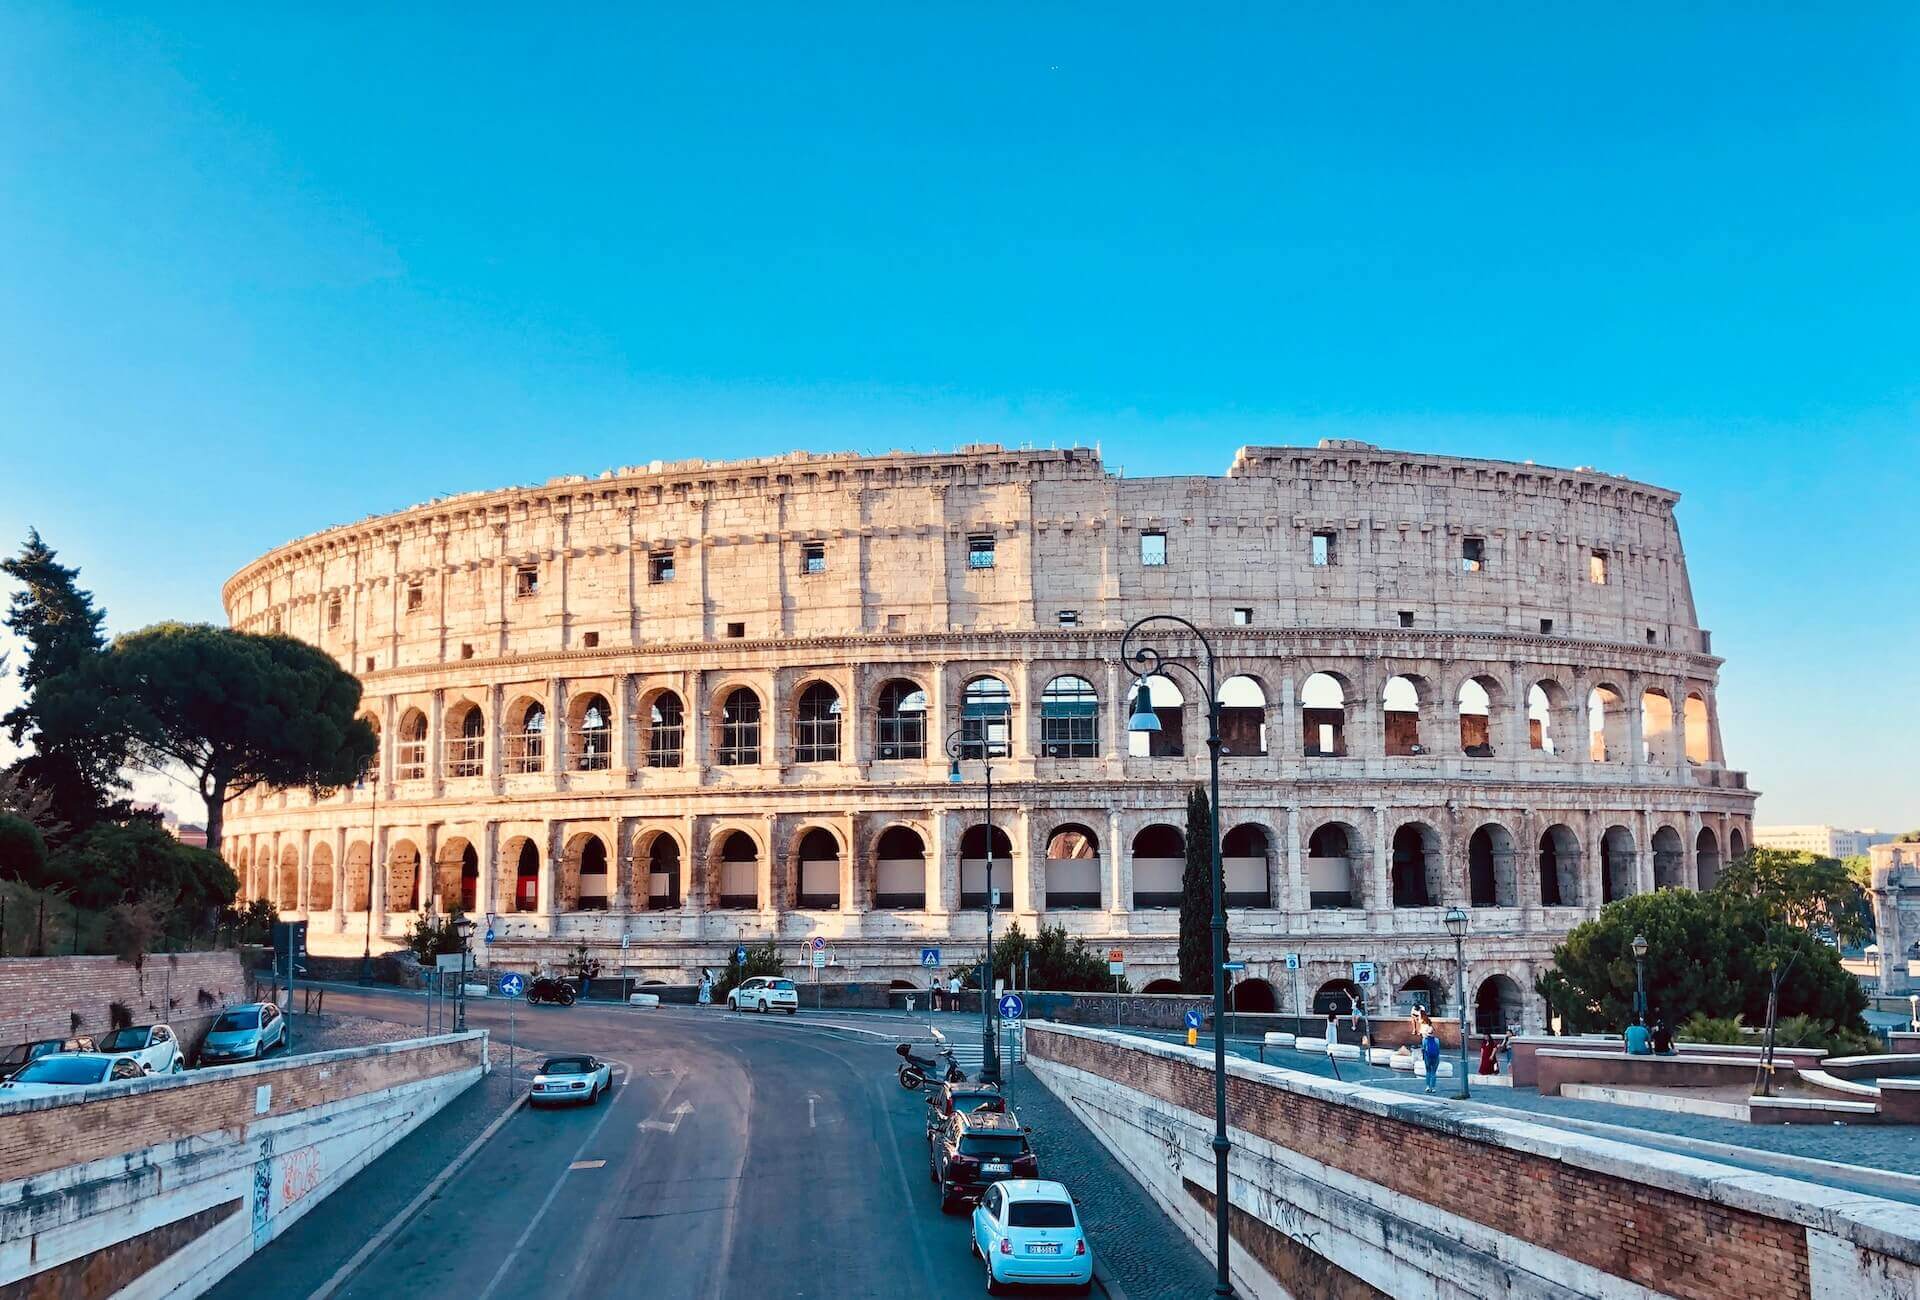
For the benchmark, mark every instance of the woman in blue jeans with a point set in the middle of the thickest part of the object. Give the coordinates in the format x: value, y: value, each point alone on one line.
x: 1430, y: 1056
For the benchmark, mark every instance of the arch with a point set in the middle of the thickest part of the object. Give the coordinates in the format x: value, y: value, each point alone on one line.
x: 320, y: 879
x: 737, y: 877
x: 1669, y: 859
x: 1706, y: 858
x: 986, y: 713
x: 816, y: 876
x: 589, y: 734
x: 1246, y: 862
x: 403, y: 877
x: 1416, y: 866
x: 975, y: 844
x: 737, y: 741
x: 1619, y: 866
x: 1606, y: 725
x: 1736, y: 845
x: 1401, y: 702
x: 1323, y: 716
x: 1656, y: 726
x: 1421, y: 990
x: 1252, y: 996
x: 900, y: 721
x: 466, y: 742
x: 242, y: 864
x: 410, y: 752
x: 585, y: 884
x: 816, y: 724
x: 469, y: 897
x: 1159, y: 864
x: 1073, y: 867
x: 662, y: 854
x: 666, y: 723
x: 1699, y: 729
x: 1336, y: 998
x: 1170, y: 707
x: 519, y: 867
x: 450, y: 861
x: 1498, y: 1005
x: 1490, y: 874
x: 900, y: 869
x: 1479, y: 698
x: 1560, y: 873
x: 357, y: 879
x: 1546, y: 716
x: 1335, y: 867
x: 523, y: 740
x: 289, y: 893
x: 1162, y: 986
x: 1243, y: 717
x: 1070, y: 718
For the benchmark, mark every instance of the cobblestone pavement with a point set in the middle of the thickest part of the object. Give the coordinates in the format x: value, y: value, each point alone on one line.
x: 327, y: 1033
x: 1142, y: 1250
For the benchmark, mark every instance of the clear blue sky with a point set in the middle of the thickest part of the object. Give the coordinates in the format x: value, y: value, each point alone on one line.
x: 263, y: 271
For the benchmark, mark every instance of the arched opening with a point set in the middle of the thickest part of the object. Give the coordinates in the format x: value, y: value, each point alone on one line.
x: 816, y: 725
x: 1159, y: 863
x: 663, y: 873
x: 1559, y: 867
x: 1401, y: 704
x: 900, y: 869
x: 1243, y: 718
x: 524, y: 744
x: 1669, y: 859
x: 591, y: 739
x: 1421, y: 993
x: 289, y: 899
x: 1606, y: 725
x: 448, y: 859
x: 1497, y: 1006
x: 410, y: 754
x: 1619, y: 869
x: 1336, y: 998
x: 1656, y: 727
x: 1069, y: 718
x: 241, y: 862
x: 466, y: 742
x: 975, y: 846
x: 403, y: 877
x: 320, y: 880
x: 900, y: 722
x: 739, y: 874
x: 1699, y: 733
x: 1073, y: 868
x: 1416, y: 866
x: 666, y: 729
x: 1246, y: 863
x: 358, y: 877
x: 1334, y: 867
x: 1323, y: 716
x: 521, y: 858
x: 1162, y: 986
x: 469, y: 898
x: 1490, y: 867
x: 1478, y: 696
x: 739, y: 736
x: 1167, y: 704
x: 584, y: 884
x: 1736, y: 845
x: 986, y: 711
x: 1546, y: 706
x: 1253, y: 996
x: 818, y: 877
x: 1706, y: 857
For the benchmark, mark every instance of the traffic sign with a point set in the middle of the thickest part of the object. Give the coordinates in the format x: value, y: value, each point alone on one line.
x: 930, y: 958
x: 1116, y: 954
x: 1116, y: 968
x: 1363, y: 973
x: 1293, y: 961
x: 626, y: 942
x: 512, y: 984
x: 1233, y: 965
x: 819, y: 958
x: 819, y: 943
x: 489, y: 934
x: 1011, y: 1007
x: 740, y: 955
x: 1195, y: 1017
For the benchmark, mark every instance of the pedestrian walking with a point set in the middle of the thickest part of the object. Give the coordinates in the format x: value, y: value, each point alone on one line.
x: 953, y: 992
x: 1488, y: 1047
x: 1430, y: 1056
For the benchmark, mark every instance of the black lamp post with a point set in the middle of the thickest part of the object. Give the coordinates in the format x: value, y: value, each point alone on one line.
x: 957, y: 747
x: 464, y: 928
x: 1149, y: 662
x: 1457, y: 927
x: 1640, y: 978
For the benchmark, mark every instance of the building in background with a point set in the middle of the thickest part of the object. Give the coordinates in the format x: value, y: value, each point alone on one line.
x: 1824, y: 841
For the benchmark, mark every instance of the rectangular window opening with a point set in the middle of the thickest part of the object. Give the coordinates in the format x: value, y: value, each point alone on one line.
x: 1153, y: 549
x: 369, y: 667
x: 1069, y: 618
x: 1243, y: 616
x: 979, y: 551
x: 1546, y: 627
x: 590, y: 639
x: 736, y: 631
x: 1653, y: 637
x: 416, y: 596
x: 813, y: 557
x: 1597, y: 568
x: 1473, y: 554
x: 333, y: 612
x: 1406, y: 618
x: 466, y: 649
x: 660, y: 566
x: 1322, y: 550
x: 526, y: 581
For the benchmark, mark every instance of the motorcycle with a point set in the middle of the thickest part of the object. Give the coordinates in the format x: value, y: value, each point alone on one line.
x: 916, y: 1070
x: 547, y: 989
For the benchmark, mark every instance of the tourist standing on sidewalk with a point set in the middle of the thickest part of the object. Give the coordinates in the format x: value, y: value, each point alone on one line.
x: 953, y: 992
x: 1430, y: 1055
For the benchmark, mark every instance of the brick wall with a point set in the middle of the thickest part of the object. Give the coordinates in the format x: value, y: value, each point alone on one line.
x: 38, y: 995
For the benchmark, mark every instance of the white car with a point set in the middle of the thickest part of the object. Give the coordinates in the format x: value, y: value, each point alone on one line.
x: 1029, y: 1233
x: 581, y: 1078
x: 153, y: 1047
x: 66, y: 1072
x: 766, y: 993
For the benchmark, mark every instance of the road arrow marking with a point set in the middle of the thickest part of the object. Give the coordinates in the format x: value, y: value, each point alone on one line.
x: 811, y: 1098
x: 680, y: 1114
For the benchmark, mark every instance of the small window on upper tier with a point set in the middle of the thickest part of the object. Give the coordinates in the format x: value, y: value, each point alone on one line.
x: 1597, y: 568
x: 1473, y: 554
x: 1322, y: 550
x: 526, y: 581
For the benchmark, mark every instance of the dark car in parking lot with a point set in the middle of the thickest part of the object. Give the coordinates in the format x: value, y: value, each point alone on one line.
x: 975, y: 1149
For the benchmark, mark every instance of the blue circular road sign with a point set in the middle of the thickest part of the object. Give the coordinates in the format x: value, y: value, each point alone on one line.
x: 489, y: 934
x: 513, y: 984
x: 1011, y: 1007
x: 1195, y: 1017
x: 740, y: 955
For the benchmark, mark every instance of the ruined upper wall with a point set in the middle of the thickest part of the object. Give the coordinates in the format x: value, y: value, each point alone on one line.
x: 449, y: 579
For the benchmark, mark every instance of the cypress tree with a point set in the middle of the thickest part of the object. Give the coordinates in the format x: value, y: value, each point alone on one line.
x: 1196, y: 898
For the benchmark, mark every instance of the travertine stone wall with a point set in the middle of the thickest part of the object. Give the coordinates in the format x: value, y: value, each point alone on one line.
x: 1560, y: 595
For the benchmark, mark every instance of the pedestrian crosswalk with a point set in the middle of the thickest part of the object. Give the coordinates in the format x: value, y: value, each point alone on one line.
x: 966, y: 1049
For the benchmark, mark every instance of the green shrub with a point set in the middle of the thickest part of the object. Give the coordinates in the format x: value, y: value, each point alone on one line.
x: 1702, y: 1028
x: 761, y: 960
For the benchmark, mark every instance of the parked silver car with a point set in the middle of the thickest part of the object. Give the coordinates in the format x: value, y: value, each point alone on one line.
x: 244, y: 1033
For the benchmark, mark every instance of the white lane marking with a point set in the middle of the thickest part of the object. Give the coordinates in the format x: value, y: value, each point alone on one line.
x: 680, y: 1114
x: 811, y: 1098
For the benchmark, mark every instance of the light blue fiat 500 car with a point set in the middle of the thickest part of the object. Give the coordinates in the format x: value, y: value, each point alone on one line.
x: 1029, y: 1234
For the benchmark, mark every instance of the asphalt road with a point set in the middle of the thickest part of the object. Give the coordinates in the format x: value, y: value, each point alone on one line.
x: 737, y: 1156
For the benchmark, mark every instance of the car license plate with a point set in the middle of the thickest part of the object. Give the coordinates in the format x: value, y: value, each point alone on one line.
x: 994, y: 1169
x: 1044, y: 1248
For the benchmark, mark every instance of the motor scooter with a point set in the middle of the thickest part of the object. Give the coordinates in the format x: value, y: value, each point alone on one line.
x: 916, y: 1070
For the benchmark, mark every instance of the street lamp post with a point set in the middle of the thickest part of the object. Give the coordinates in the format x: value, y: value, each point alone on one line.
x: 1148, y: 662
x: 1640, y: 978
x: 464, y: 928
x: 956, y: 750
x: 1457, y: 927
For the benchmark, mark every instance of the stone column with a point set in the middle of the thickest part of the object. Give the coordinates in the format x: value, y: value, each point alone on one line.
x: 1117, y: 884
x: 486, y: 896
x: 772, y: 885
x: 1026, y: 899
x: 1298, y: 887
x: 1518, y: 746
x: 1288, y: 739
x: 855, y: 898
x: 377, y: 880
x: 1580, y: 746
x: 340, y: 879
x: 623, y: 732
x: 1643, y: 852
x: 497, y: 742
x: 437, y: 743
x: 1382, y: 891
x: 557, y: 733
x: 941, y: 900
x: 693, y: 713
x: 1636, y: 720
x: 427, y: 870
x: 550, y: 870
x: 1677, y: 690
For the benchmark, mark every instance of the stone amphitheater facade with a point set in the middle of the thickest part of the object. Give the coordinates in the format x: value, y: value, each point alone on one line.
x: 680, y: 707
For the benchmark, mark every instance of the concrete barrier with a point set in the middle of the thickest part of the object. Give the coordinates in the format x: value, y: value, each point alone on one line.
x: 1555, y: 1069
x: 644, y: 1000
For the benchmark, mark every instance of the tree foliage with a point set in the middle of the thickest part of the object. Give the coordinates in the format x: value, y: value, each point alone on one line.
x: 23, y: 853
x: 1052, y: 960
x: 762, y: 959
x: 1196, y: 898
x: 1815, y: 894
x: 120, y: 862
x: 1707, y: 954
x: 434, y: 936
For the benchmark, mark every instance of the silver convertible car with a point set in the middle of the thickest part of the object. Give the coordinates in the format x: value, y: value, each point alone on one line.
x: 582, y: 1079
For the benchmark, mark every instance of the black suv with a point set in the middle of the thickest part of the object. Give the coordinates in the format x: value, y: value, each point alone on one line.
x: 974, y: 1149
x: 949, y: 1098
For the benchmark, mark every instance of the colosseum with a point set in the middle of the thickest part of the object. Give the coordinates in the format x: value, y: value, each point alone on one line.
x: 681, y: 706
